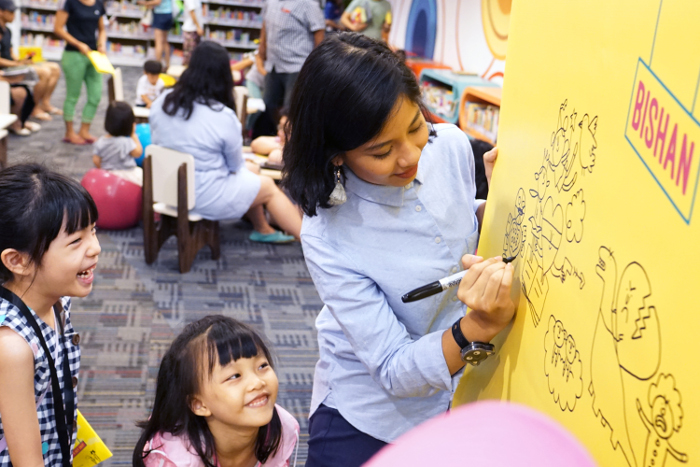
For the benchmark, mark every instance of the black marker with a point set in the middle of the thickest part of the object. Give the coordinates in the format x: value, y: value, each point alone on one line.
x: 436, y: 287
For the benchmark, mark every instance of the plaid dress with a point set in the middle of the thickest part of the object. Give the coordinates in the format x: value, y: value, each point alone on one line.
x: 11, y: 317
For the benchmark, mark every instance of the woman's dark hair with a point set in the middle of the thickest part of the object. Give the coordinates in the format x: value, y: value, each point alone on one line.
x: 35, y: 204
x: 191, y: 358
x: 342, y: 98
x: 119, y: 120
x: 207, y: 80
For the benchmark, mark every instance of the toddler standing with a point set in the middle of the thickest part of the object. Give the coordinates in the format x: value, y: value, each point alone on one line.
x: 117, y: 150
x: 192, y: 29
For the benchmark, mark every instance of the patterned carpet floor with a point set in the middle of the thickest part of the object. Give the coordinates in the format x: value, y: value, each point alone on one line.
x: 135, y: 310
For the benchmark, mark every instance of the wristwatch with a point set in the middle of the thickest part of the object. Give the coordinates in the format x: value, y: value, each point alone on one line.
x: 472, y: 352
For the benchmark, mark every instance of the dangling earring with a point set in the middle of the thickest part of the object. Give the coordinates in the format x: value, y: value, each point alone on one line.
x: 338, y: 195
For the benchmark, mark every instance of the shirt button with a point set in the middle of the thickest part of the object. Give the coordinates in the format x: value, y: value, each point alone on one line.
x: 75, y: 381
x: 76, y: 339
x: 438, y: 239
x: 455, y: 298
x: 454, y: 269
x: 408, y: 186
x: 419, y: 208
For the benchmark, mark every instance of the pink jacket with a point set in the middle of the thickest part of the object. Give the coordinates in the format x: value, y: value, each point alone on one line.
x: 174, y: 451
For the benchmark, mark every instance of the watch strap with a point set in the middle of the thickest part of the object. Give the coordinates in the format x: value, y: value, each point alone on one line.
x: 458, y: 336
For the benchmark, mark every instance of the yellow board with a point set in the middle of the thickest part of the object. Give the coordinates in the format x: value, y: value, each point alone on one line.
x: 595, y: 190
x: 35, y: 53
x: 101, y: 62
x: 89, y: 449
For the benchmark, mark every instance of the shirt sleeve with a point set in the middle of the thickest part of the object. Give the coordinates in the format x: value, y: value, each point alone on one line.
x: 66, y: 6
x: 314, y: 17
x: 160, y: 85
x: 403, y: 366
x: 233, y: 144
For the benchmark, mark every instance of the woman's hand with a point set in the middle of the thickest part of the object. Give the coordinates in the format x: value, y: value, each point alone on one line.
x: 489, y: 162
x: 83, y: 48
x: 102, y: 47
x: 485, y: 289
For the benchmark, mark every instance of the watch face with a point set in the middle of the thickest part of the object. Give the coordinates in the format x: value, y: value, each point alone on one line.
x: 476, y: 353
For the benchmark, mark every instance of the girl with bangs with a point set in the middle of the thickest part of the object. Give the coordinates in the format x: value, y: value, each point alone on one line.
x: 215, y: 403
x: 390, y: 206
x: 48, y: 253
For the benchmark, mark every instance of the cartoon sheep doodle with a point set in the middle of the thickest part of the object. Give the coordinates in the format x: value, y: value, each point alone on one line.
x: 562, y: 365
x: 666, y: 418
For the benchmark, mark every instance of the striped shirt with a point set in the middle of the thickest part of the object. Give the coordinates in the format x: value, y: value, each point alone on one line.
x: 289, y: 27
x: 11, y: 317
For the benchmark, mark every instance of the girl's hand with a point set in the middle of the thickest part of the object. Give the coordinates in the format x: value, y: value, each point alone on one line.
x: 489, y: 162
x: 102, y: 48
x: 84, y: 49
x: 485, y: 289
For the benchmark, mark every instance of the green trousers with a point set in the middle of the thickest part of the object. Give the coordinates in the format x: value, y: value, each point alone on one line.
x: 78, y: 68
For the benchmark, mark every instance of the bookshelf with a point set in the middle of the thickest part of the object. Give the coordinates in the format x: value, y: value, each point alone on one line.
x: 442, y: 90
x: 235, y: 24
x: 479, y: 110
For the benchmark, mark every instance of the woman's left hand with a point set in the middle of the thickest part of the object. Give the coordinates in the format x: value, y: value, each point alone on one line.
x: 489, y: 162
x: 102, y: 48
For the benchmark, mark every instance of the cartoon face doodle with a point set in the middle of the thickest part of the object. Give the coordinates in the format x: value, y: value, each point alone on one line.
x: 515, y: 235
x: 666, y: 419
x: 562, y: 365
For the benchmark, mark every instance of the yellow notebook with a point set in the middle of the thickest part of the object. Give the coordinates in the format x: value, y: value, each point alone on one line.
x: 387, y: 18
x: 101, y: 62
x: 89, y: 449
x: 35, y: 53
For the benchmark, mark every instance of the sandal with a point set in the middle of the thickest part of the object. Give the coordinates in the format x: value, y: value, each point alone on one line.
x: 20, y: 132
x: 44, y: 116
x: 32, y: 126
x: 276, y: 237
x: 55, y: 111
x: 67, y: 140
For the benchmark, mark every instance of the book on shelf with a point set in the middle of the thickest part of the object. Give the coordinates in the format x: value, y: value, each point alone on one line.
x: 482, y: 118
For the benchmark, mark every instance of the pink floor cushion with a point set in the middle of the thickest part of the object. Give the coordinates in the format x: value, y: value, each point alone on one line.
x: 118, y: 201
x: 488, y: 433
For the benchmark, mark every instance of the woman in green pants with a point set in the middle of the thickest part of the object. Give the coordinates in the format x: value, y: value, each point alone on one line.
x: 80, y: 24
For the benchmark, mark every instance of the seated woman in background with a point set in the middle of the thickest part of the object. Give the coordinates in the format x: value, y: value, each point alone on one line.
x: 197, y: 117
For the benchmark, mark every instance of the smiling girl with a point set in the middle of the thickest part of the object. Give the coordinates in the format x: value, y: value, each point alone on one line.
x: 215, y: 403
x: 48, y: 252
x: 390, y: 206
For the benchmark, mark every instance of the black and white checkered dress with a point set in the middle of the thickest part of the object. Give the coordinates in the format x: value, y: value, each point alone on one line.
x: 11, y: 317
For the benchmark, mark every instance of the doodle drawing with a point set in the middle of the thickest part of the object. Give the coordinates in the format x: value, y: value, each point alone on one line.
x: 666, y: 418
x: 515, y: 235
x: 627, y: 328
x: 562, y: 365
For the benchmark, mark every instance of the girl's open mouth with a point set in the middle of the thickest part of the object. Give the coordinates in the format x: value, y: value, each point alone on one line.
x: 260, y: 401
x: 87, y: 275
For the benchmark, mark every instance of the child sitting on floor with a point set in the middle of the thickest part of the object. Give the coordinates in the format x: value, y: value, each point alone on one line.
x: 115, y: 152
x: 215, y: 403
x: 272, y: 146
x: 150, y: 85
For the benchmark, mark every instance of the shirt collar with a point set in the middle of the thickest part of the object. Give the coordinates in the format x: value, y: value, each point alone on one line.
x: 380, y: 194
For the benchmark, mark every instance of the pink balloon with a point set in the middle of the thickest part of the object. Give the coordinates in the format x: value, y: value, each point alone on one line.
x: 118, y: 201
x: 488, y: 433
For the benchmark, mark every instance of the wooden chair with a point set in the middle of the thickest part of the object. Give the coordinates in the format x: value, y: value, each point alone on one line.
x: 6, y: 119
x: 115, y: 91
x: 168, y: 189
x: 240, y: 100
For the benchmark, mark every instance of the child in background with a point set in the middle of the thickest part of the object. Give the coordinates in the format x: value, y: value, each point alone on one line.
x: 369, y: 17
x: 192, y: 28
x: 117, y: 150
x: 48, y: 252
x: 272, y: 146
x: 150, y: 85
x: 215, y: 402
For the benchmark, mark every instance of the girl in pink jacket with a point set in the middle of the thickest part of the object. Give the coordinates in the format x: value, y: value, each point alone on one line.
x: 215, y: 403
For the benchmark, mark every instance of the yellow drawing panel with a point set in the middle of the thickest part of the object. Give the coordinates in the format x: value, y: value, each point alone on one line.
x: 607, y: 326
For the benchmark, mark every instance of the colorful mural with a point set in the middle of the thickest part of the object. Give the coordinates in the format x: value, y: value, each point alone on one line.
x: 468, y: 35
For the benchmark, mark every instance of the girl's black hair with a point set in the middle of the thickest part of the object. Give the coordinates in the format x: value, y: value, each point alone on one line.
x: 207, y: 80
x: 119, y: 120
x: 191, y: 358
x: 342, y: 98
x: 35, y: 204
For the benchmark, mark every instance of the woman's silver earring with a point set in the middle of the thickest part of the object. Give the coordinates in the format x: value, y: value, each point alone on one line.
x: 338, y: 195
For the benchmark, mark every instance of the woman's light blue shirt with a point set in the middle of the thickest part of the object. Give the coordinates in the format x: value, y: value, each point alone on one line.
x: 165, y: 6
x: 381, y: 363
x: 224, y: 187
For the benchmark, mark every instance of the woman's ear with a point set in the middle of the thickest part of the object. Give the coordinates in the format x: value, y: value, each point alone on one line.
x: 338, y: 160
x: 16, y: 262
x: 198, y: 407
